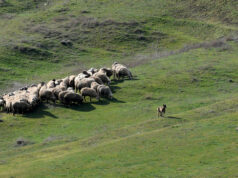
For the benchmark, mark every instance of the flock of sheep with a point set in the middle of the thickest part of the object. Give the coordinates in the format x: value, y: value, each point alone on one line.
x: 73, y: 89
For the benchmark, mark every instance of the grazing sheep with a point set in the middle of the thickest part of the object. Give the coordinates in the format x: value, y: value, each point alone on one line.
x: 70, y: 98
x: 92, y: 71
x: 57, y: 82
x: 94, y: 85
x: 63, y: 86
x: 71, y: 81
x: 103, y: 77
x: 46, y: 94
x: 2, y: 103
x: 85, y: 82
x: 104, y: 91
x: 8, y: 103
x: 97, y: 79
x: 161, y: 110
x: 57, y: 90
x: 23, y: 88
x: 106, y: 71
x: 51, y: 84
x: 61, y: 96
x: 20, y: 106
x: 70, y: 89
x: 65, y: 81
x: 120, y: 70
x: 89, y: 92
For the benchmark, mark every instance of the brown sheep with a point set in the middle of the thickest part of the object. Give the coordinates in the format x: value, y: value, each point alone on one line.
x: 70, y: 98
x: 94, y: 85
x: 61, y: 96
x: 120, y: 70
x: 8, y: 103
x: 97, y: 79
x: 103, y: 77
x: 104, y: 91
x: 2, y: 103
x: 65, y: 81
x: 92, y: 71
x: 51, y: 84
x: 161, y: 110
x: 71, y: 81
x: 57, y: 90
x: 46, y: 94
x: 85, y: 82
x: 89, y: 92
x: 106, y: 71
x: 20, y: 106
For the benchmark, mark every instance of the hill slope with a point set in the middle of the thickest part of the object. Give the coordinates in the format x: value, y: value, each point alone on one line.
x: 172, y: 49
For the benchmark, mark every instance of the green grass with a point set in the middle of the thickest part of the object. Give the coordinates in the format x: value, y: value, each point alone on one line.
x: 123, y: 137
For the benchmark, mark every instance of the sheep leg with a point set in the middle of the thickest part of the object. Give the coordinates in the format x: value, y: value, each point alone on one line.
x: 114, y: 75
x: 158, y: 114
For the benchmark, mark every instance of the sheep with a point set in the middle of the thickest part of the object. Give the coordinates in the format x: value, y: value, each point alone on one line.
x: 97, y: 79
x: 63, y: 86
x: 94, y: 85
x: 32, y: 96
x: 2, y: 103
x: 8, y: 103
x: 23, y: 88
x: 103, y: 77
x: 92, y: 71
x: 20, y: 106
x: 120, y: 70
x: 61, y: 96
x: 57, y: 82
x: 65, y: 82
x: 46, y: 94
x: 89, y: 92
x: 161, y: 110
x: 85, y: 82
x: 104, y: 91
x: 70, y: 89
x: 56, y: 91
x: 106, y: 71
x: 33, y: 100
x: 71, y: 97
x: 51, y: 84
x: 71, y: 81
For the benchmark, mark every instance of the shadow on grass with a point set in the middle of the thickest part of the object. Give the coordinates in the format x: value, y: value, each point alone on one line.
x: 40, y: 112
x: 114, y: 100
x: 85, y: 107
x: 114, y: 88
x: 105, y: 101
x: 115, y: 81
x: 172, y: 117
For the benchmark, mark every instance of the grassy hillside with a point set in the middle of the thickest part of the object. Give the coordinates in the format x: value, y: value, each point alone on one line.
x: 173, y: 50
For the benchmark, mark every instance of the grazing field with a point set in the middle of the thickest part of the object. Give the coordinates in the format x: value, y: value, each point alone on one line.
x: 182, y: 54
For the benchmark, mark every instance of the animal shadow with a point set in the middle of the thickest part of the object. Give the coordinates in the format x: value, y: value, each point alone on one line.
x: 85, y: 107
x: 172, y: 117
x: 40, y: 112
